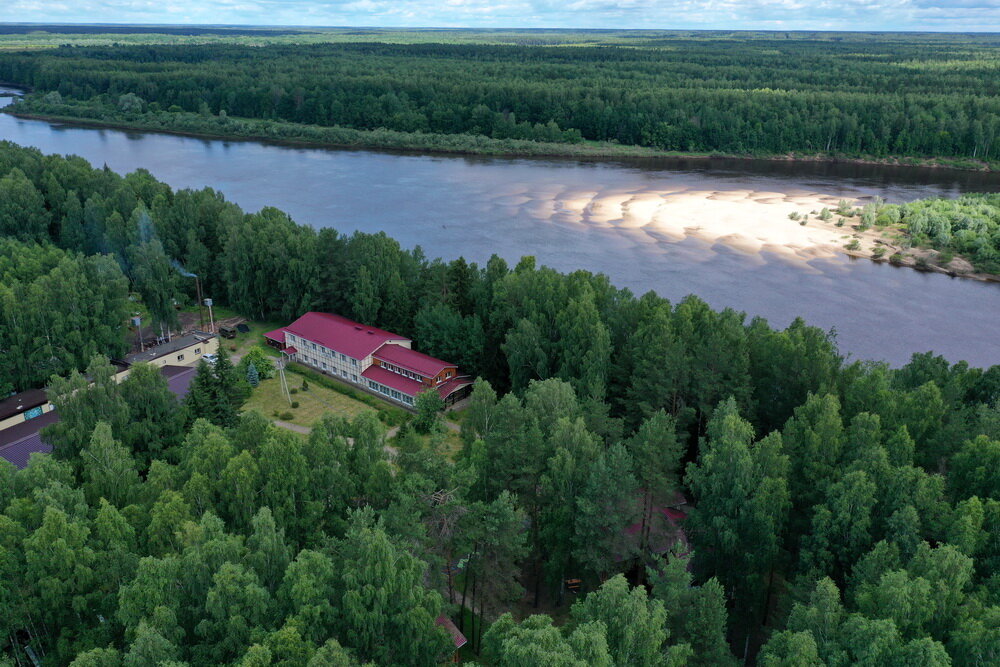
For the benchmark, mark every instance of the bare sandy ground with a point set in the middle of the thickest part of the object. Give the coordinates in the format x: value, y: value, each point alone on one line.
x: 751, y: 221
x: 748, y: 220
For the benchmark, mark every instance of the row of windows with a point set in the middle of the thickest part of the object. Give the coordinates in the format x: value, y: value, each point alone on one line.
x: 180, y: 357
x: 391, y: 393
x: 332, y: 371
x: 305, y: 344
x: 402, y: 371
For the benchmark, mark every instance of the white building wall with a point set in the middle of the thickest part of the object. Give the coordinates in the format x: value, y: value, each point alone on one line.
x: 329, y: 360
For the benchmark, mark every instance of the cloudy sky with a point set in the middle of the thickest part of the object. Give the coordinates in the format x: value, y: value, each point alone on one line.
x: 939, y: 15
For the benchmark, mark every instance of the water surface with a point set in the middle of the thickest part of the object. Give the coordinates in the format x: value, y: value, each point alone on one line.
x: 476, y: 206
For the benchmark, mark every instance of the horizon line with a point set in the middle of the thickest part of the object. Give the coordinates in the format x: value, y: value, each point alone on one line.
x: 496, y: 29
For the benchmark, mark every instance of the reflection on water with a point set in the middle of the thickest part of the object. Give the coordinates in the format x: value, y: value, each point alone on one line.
x: 661, y: 225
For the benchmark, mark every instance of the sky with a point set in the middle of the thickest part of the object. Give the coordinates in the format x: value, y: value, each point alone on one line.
x: 931, y: 15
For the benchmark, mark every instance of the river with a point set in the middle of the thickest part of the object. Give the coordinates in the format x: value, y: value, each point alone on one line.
x: 574, y: 214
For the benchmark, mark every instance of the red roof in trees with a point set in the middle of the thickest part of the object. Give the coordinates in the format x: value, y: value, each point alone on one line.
x: 411, y: 360
x: 456, y: 634
x: 338, y: 333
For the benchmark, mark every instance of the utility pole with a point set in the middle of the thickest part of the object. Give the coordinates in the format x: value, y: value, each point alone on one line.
x: 284, y: 382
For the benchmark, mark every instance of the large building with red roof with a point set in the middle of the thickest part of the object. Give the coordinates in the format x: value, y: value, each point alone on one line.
x: 377, y: 360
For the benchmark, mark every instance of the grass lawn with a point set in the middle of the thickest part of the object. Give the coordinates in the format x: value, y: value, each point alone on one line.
x: 452, y: 444
x: 313, y: 404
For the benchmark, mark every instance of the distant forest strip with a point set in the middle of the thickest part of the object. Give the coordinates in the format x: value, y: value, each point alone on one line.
x: 924, y: 97
x: 119, y: 29
x: 278, y: 131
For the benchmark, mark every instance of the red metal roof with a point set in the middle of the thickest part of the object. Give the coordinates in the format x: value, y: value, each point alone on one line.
x: 412, y: 387
x: 456, y: 634
x: 289, y: 350
x: 341, y: 334
x: 394, y: 380
x: 411, y: 360
x: 278, y: 335
x: 448, y: 388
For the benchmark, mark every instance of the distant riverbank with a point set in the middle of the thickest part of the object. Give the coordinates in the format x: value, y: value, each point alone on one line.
x: 734, y: 218
x: 297, y: 134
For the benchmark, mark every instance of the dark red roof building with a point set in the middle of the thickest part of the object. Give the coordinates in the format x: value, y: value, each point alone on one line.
x: 377, y: 360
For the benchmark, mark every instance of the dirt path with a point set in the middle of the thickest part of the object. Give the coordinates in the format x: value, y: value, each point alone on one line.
x: 288, y: 426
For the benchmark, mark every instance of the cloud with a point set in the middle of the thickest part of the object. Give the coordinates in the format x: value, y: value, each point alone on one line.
x: 952, y: 15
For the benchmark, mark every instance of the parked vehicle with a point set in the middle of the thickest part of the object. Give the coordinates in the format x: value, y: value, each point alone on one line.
x: 227, y: 332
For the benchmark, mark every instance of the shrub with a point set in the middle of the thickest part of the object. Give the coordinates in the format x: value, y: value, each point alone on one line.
x: 853, y: 245
x: 287, y: 416
x: 897, y: 258
x: 878, y: 252
x: 305, y: 385
x: 293, y: 390
x: 295, y: 404
x: 259, y: 357
x: 840, y: 223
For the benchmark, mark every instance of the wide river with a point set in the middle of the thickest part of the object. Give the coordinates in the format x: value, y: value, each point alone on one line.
x: 574, y: 214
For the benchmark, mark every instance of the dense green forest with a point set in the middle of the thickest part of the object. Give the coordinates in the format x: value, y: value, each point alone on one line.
x: 922, y: 97
x: 968, y: 225
x: 840, y: 513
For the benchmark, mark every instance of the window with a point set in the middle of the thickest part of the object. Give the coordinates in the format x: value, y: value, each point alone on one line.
x: 314, y: 346
x: 197, y: 350
x: 343, y: 357
x: 324, y: 365
x: 354, y: 362
x: 353, y: 376
x: 180, y: 357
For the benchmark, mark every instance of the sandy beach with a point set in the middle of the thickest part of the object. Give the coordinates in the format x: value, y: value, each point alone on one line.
x: 751, y: 221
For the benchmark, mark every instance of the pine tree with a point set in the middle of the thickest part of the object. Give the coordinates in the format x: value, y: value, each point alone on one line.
x: 252, y: 376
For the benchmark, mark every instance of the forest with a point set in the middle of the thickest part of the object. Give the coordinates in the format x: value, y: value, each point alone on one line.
x: 838, y: 512
x: 968, y: 225
x: 925, y: 97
